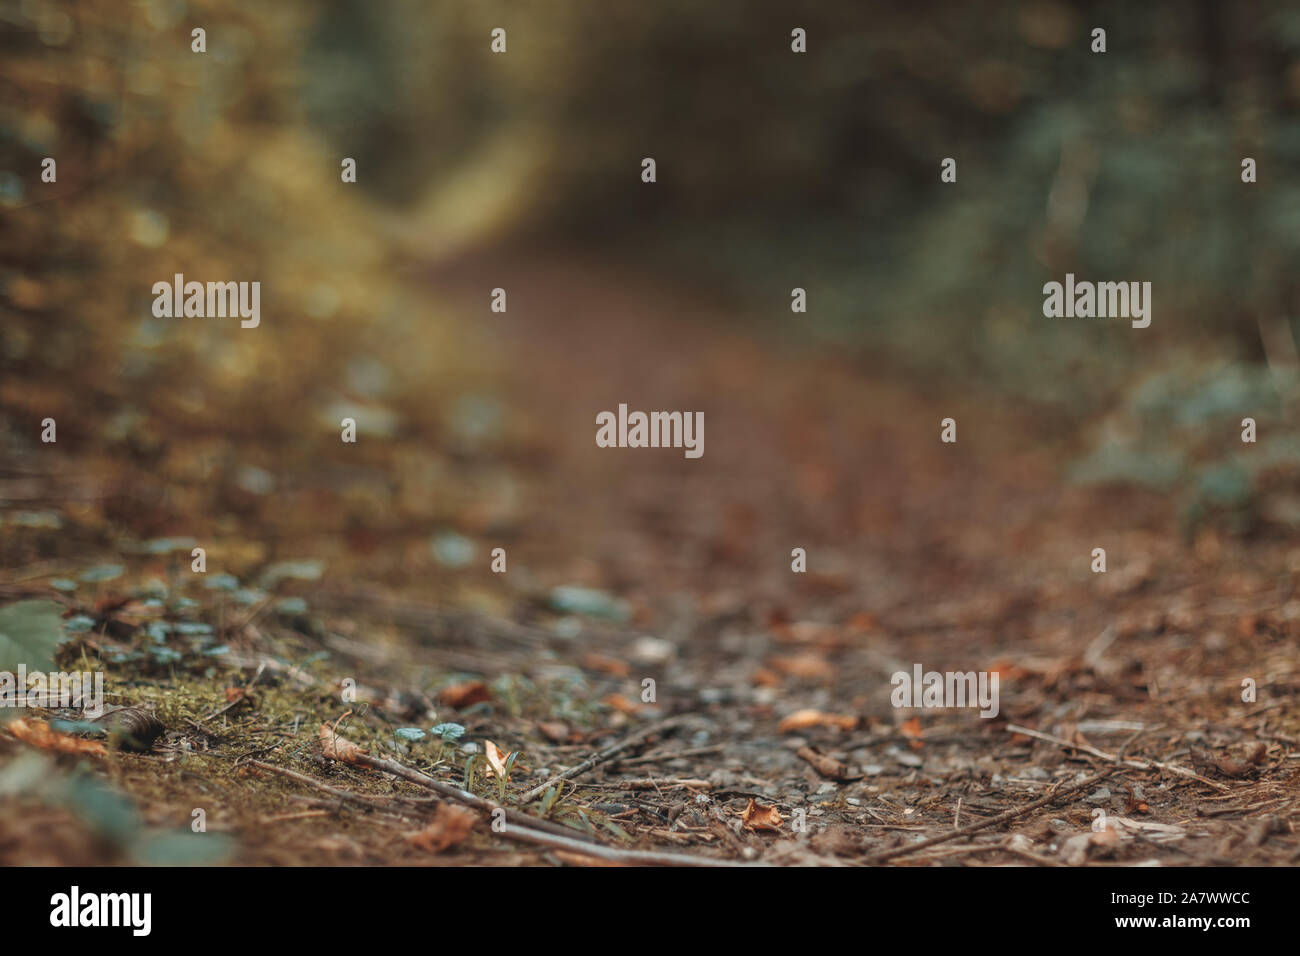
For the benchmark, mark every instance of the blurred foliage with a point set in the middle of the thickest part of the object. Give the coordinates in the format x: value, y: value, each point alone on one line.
x: 208, y: 165
x: 822, y: 170
x: 775, y: 170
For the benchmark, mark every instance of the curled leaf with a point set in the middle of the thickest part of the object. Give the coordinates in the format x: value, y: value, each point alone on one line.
x: 496, y: 759
x: 335, y: 747
x: 758, y: 817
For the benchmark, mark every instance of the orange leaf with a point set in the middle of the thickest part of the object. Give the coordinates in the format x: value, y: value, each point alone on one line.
x: 809, y: 665
x: 606, y: 665
x: 911, y: 729
x: 621, y: 703
x: 39, y: 734
x: 759, y: 817
x: 465, y: 695
x: 803, y: 719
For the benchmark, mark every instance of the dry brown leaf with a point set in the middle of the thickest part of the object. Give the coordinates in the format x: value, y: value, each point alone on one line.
x: 803, y: 719
x: 758, y: 817
x: 1206, y: 762
x: 911, y: 729
x: 556, y: 731
x: 621, y: 703
x: 808, y: 665
x: 606, y: 665
x: 39, y: 734
x: 336, y: 748
x: 450, y: 825
x: 496, y: 759
x: 465, y: 695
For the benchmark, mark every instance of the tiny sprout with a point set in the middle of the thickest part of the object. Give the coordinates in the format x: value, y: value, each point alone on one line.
x: 448, y: 732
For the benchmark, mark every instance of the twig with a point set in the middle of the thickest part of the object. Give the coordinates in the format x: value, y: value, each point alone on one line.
x: 344, y: 795
x: 600, y: 757
x: 991, y: 821
x: 650, y: 783
x: 301, y: 815
x: 1112, y: 758
x: 464, y: 796
x: 638, y: 857
x: 662, y: 755
x: 527, y: 829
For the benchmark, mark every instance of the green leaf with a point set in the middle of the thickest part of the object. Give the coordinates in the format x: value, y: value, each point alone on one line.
x: 448, y: 732
x: 29, y: 633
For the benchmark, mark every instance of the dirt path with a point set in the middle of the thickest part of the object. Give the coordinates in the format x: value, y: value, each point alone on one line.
x: 972, y: 556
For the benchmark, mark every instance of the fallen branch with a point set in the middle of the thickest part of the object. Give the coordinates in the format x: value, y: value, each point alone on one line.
x: 526, y: 828
x: 990, y: 822
x: 638, y: 857
x: 600, y: 757
x: 342, y: 795
x: 1113, y: 758
x: 660, y: 756
x: 357, y: 757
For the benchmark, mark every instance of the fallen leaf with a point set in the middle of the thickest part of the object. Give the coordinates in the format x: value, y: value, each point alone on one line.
x: 606, y: 665
x: 621, y: 703
x: 808, y: 666
x: 39, y: 734
x: 335, y: 747
x: 496, y: 758
x: 1152, y: 830
x: 803, y: 719
x: 465, y: 695
x: 759, y: 817
x: 450, y: 825
x: 556, y: 731
x: 1206, y: 762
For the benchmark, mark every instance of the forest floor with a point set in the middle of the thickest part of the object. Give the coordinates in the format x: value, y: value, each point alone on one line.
x: 771, y: 737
